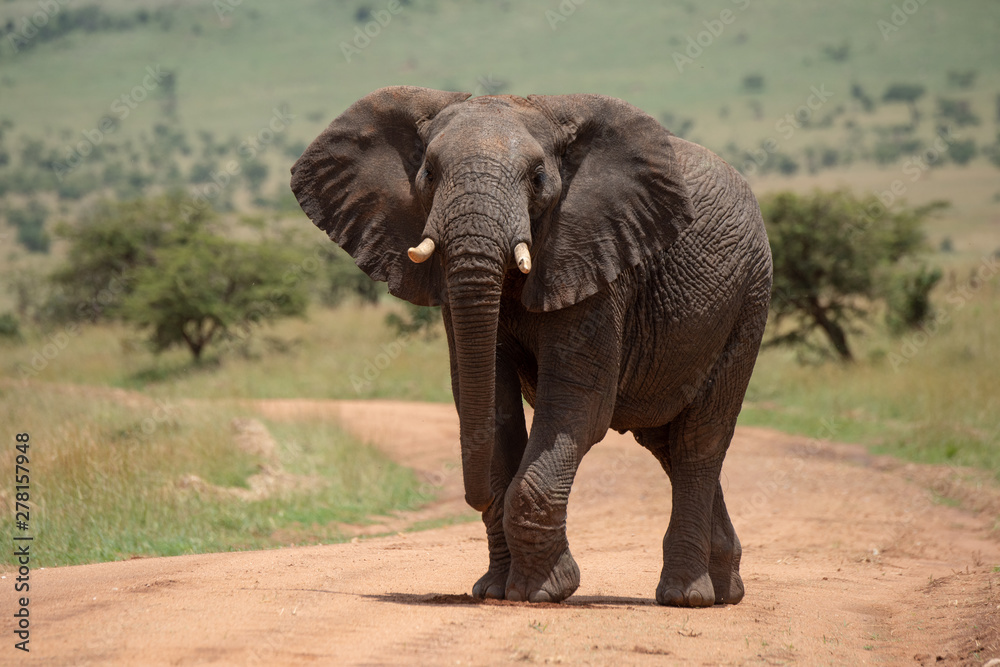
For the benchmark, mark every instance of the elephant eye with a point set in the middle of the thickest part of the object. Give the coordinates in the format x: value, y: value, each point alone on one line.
x: 538, y: 178
x: 428, y: 175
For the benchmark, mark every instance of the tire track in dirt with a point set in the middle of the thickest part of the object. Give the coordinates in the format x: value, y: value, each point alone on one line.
x: 846, y: 561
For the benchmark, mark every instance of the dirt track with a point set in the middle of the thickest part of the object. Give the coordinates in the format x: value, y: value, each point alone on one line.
x: 847, y: 560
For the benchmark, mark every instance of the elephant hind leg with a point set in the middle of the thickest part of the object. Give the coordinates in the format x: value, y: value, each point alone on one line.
x: 724, y: 561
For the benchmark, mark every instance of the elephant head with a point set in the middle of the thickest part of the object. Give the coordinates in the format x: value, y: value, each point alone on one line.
x: 570, y: 189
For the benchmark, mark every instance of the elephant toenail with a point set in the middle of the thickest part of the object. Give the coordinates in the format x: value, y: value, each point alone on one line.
x: 672, y: 597
x: 540, y: 596
x: 695, y: 599
x: 515, y: 596
x: 494, y: 592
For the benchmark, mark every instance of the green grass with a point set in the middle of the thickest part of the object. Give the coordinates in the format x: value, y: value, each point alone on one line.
x: 106, y: 478
x: 935, y: 402
x: 330, y: 354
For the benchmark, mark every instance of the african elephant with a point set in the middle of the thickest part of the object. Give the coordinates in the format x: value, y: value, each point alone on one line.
x: 612, y: 274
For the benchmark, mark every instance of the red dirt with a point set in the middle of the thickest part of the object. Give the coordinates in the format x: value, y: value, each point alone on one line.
x: 847, y: 560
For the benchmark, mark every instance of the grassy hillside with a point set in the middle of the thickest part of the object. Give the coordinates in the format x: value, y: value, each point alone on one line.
x: 233, y: 69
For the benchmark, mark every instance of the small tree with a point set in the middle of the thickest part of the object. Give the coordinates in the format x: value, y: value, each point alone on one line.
x: 834, y: 257
x: 112, y: 241
x: 167, y: 267
x: 200, y: 291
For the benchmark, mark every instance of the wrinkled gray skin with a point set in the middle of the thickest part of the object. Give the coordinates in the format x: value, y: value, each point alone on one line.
x: 643, y: 310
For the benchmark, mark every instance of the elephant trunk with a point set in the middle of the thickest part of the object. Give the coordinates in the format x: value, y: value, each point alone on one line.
x: 475, y: 270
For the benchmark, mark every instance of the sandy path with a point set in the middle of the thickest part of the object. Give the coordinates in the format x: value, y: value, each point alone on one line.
x: 846, y: 561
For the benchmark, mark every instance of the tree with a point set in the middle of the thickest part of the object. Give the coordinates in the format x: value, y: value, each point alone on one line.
x: 168, y: 267
x: 835, y: 257
x: 112, y: 241
x: 199, y: 292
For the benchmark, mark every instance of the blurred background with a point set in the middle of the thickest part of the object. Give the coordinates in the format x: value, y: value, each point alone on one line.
x: 156, y: 273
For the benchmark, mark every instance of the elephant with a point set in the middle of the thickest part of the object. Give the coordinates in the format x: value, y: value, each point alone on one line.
x: 586, y: 261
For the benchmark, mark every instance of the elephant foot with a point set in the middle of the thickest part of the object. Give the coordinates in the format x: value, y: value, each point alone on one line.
x: 558, y: 584
x: 728, y: 587
x: 491, y: 586
x: 724, y: 564
x: 675, y: 592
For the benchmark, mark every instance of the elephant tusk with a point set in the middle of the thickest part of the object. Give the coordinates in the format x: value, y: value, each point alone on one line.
x: 422, y: 252
x: 522, y: 257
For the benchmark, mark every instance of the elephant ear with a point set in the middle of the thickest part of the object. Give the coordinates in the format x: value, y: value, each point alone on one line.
x: 355, y: 182
x: 623, y: 199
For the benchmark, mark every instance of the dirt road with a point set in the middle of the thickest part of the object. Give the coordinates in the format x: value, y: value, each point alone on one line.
x: 847, y: 560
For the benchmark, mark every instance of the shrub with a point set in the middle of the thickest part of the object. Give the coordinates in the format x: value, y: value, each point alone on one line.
x: 962, y: 78
x: 753, y: 83
x: 10, y: 328
x: 908, y: 300
x: 962, y: 150
x: 957, y: 111
x: 30, y: 225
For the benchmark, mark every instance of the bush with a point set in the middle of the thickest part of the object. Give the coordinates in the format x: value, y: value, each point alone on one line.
x: 908, y: 298
x: 344, y: 279
x: 962, y: 78
x: 866, y: 102
x: 415, y: 320
x: 962, y: 151
x: 10, y: 328
x: 957, y: 111
x: 992, y: 152
x: 753, y: 83
x: 838, y: 52
x: 30, y: 225
x: 903, y: 92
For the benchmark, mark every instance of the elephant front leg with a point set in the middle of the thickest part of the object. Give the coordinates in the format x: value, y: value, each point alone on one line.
x: 511, y: 437
x: 542, y: 568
